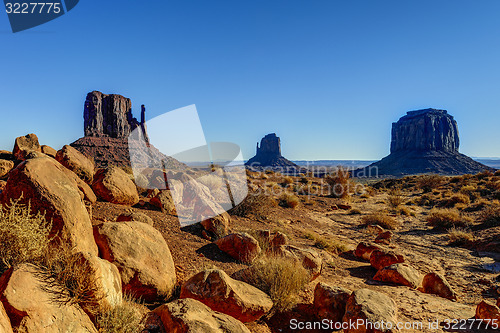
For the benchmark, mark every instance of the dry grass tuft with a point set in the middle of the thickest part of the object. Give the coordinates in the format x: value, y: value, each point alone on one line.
x: 395, y: 198
x: 429, y: 182
x: 490, y: 217
x: 445, y: 218
x: 381, y: 219
x: 122, y: 318
x: 288, y: 200
x: 339, y: 182
x: 24, y: 237
x: 455, y: 199
x: 281, y: 278
x: 460, y: 236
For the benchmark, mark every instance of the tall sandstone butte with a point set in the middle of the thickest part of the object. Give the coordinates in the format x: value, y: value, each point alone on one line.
x: 268, y: 155
x: 424, y: 141
x: 108, y: 122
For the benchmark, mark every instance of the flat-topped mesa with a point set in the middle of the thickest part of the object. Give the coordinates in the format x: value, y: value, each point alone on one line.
x: 269, y: 145
x: 425, y: 130
x: 110, y: 116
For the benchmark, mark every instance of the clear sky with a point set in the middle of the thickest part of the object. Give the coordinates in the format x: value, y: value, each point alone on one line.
x: 329, y: 77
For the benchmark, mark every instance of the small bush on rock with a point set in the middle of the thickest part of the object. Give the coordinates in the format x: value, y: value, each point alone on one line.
x: 381, y: 219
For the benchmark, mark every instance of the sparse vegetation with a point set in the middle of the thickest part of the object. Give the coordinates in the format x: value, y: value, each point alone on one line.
x: 381, y: 219
x: 490, y: 217
x: 24, y: 237
x: 395, y: 198
x: 281, y: 278
x: 429, y: 182
x: 256, y: 203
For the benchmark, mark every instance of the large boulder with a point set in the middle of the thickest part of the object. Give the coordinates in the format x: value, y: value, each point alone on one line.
x: 330, y: 302
x: 241, y: 246
x: 5, y: 326
x: 402, y: 274
x: 31, y: 307
x: 191, y: 316
x: 114, y: 185
x: 142, y: 256
x: 47, y: 187
x: 72, y: 159
x: 435, y: 283
x: 368, y: 306
x: 221, y: 293
x: 23, y: 145
x: 217, y: 225
x: 5, y: 167
x: 382, y: 258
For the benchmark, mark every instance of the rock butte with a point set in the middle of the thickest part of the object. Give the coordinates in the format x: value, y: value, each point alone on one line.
x: 424, y: 141
x: 108, y: 122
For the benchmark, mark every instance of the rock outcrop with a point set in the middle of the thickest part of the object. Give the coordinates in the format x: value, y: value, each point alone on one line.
x: 269, y: 156
x: 424, y: 141
x: 108, y: 122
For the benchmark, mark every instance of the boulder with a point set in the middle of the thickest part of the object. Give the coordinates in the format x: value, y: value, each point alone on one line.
x: 384, y: 237
x: 382, y: 258
x: 5, y: 326
x: 114, y: 185
x: 330, y: 302
x: 24, y: 145
x: 375, y: 229
x: 488, y: 311
x: 75, y: 161
x: 218, y: 291
x: 5, y: 167
x: 191, y: 316
x: 372, y: 307
x: 163, y: 200
x: 135, y: 216
x: 435, y: 283
x: 401, y: 274
x: 278, y: 239
x: 142, y: 256
x: 364, y: 250
x: 310, y: 259
x: 46, y: 186
x: 49, y: 151
x: 31, y: 308
x: 241, y: 246
x: 217, y: 225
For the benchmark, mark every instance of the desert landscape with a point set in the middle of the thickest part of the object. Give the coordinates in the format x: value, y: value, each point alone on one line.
x: 88, y: 247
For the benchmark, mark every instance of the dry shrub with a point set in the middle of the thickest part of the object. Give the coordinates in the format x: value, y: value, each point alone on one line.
x: 287, y: 180
x: 445, y: 218
x: 288, y: 200
x: 395, y: 198
x: 256, y: 203
x: 281, y: 278
x: 490, y: 217
x: 381, y: 219
x: 304, y: 180
x: 354, y: 211
x: 24, y: 237
x: 121, y: 318
x: 429, y: 182
x: 339, y: 182
x: 212, y: 181
x: 468, y: 189
x: 405, y: 211
x: 460, y: 236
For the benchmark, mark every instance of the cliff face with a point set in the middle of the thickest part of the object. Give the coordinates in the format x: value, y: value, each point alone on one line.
x: 425, y: 130
x: 423, y: 141
x: 269, y: 145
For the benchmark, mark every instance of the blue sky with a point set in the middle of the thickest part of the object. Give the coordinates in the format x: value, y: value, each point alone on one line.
x: 329, y: 77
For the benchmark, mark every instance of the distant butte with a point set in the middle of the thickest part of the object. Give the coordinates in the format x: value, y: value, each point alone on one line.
x: 424, y: 141
x: 268, y: 156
